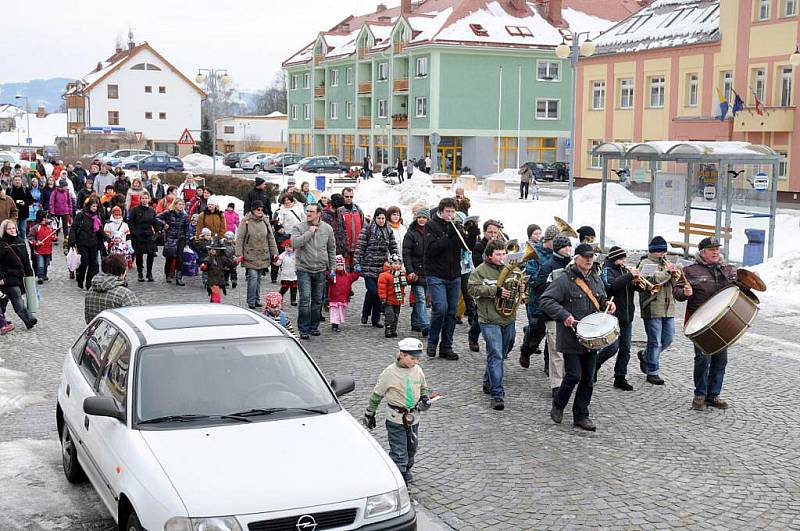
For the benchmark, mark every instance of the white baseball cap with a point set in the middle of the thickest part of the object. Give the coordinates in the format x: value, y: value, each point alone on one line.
x: 411, y: 346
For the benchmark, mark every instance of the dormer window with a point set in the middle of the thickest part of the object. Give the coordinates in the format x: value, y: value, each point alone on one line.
x: 519, y: 31
x: 479, y: 30
x: 145, y: 66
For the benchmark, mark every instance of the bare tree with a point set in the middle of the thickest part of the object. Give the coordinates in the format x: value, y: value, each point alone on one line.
x: 273, y: 97
x: 250, y: 143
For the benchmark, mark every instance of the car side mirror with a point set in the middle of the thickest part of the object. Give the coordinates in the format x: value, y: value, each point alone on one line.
x: 343, y: 385
x: 102, y: 406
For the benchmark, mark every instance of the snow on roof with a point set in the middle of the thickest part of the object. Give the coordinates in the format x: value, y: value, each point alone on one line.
x: 686, y: 149
x: 8, y: 110
x: 44, y: 131
x: 665, y: 23
x: 579, y: 21
x: 430, y: 25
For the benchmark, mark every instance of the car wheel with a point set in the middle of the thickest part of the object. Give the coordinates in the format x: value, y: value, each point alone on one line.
x: 170, y: 170
x: 69, y: 458
x: 133, y: 523
x: 256, y: 168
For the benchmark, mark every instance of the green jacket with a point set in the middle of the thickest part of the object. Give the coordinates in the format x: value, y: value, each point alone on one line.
x: 662, y: 304
x: 483, y: 288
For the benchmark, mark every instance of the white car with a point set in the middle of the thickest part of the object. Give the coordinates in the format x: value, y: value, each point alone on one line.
x: 254, y: 161
x: 211, y: 417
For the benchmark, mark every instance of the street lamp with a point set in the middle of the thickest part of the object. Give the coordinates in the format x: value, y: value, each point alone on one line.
x: 27, y: 118
x: 216, y: 77
x: 574, y: 51
x: 794, y: 59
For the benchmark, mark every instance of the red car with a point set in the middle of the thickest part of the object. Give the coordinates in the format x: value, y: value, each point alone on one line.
x: 27, y: 154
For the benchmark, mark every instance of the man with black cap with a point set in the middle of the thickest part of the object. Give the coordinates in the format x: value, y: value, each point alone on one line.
x: 658, y: 309
x: 569, y: 298
x: 619, y: 283
x: 702, y: 280
x: 535, y: 331
x: 258, y: 193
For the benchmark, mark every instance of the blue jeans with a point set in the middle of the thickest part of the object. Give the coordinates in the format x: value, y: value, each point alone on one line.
x: 660, y: 331
x: 22, y: 228
x: 42, y: 263
x: 311, y: 286
x: 253, y: 277
x: 444, y: 301
x: 14, y: 294
x: 419, y: 312
x: 372, y: 302
x: 709, y: 371
x: 498, y: 340
x: 621, y: 347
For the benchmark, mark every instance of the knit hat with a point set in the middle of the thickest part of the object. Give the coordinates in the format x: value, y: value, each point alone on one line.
x: 229, y: 234
x: 460, y: 217
x: 205, y: 232
x: 339, y: 260
x: 709, y: 243
x: 255, y: 205
x: 278, y: 227
x: 532, y: 227
x: 116, y: 211
x: 231, y: 205
x: 585, y: 250
x: 585, y: 231
x: 422, y: 213
x: 616, y: 253
x: 286, y: 243
x: 273, y: 299
x: 394, y: 258
x: 260, y: 181
x: 291, y: 180
x: 657, y: 245
x: 550, y: 233
x: 561, y: 241
x: 62, y: 183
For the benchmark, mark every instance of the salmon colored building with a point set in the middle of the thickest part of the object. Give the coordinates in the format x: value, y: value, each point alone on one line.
x: 656, y: 76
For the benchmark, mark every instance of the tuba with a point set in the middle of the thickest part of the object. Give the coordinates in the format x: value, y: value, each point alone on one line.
x: 564, y: 227
x: 513, y: 278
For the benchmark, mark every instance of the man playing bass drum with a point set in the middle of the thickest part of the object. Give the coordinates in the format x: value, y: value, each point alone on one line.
x: 699, y: 283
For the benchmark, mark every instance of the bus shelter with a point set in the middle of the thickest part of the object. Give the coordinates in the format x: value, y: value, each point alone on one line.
x: 726, y: 156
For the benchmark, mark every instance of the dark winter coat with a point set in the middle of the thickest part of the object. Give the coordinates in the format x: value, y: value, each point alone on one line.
x: 15, y: 264
x: 442, y: 249
x: 144, y: 225
x: 258, y: 195
x: 555, y: 262
x: 619, y: 284
x: 706, y: 280
x: 178, y: 225
x: 375, y: 244
x: 78, y: 177
x: 329, y: 216
x: 82, y: 233
x: 563, y: 297
x: 156, y: 193
x: 47, y: 191
x: 121, y: 186
x: 217, y: 265
x: 414, y: 252
x: 22, y: 198
x: 532, y: 268
x: 82, y: 195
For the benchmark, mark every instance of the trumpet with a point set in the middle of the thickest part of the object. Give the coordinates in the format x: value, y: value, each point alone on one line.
x: 643, y: 283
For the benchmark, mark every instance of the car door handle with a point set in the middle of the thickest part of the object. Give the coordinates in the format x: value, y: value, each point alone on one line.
x: 67, y: 390
x: 86, y: 422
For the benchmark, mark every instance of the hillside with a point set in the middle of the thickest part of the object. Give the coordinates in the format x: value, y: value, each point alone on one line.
x: 39, y: 91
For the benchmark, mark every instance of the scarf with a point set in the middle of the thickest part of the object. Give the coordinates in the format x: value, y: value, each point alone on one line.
x: 394, y: 225
x: 398, y: 283
x: 96, y: 221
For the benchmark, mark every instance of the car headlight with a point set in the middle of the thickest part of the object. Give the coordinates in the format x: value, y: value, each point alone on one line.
x: 383, y: 504
x: 219, y: 523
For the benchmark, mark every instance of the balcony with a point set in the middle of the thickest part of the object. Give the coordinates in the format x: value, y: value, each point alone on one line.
x: 362, y: 53
x: 401, y: 85
x: 400, y: 121
x: 399, y: 47
x: 775, y: 119
x: 319, y: 92
x: 364, y: 123
x: 319, y: 123
x: 365, y: 87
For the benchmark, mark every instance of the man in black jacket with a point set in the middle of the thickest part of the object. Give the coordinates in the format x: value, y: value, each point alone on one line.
x: 491, y: 231
x: 258, y: 193
x: 413, y: 255
x: 619, y: 283
x: 568, y: 300
x: 442, y: 265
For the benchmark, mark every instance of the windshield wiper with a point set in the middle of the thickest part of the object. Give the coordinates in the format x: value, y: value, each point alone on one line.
x: 187, y: 418
x: 270, y: 410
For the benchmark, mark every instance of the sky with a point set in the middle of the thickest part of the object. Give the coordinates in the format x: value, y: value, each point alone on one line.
x: 250, y: 38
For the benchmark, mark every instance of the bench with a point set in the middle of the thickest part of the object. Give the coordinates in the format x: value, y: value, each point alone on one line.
x: 699, y: 229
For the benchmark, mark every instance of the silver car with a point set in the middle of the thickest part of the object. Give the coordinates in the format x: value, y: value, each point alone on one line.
x: 255, y: 161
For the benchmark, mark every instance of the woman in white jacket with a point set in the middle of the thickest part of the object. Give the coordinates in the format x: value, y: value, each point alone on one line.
x: 290, y: 213
x: 394, y: 220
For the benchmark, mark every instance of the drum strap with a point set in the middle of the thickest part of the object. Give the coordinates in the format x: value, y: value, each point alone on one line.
x: 585, y: 288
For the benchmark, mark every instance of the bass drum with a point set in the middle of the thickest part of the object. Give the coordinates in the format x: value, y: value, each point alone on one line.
x: 597, y: 330
x: 720, y: 321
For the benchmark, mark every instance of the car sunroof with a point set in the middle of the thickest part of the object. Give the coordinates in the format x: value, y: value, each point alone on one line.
x: 197, y: 321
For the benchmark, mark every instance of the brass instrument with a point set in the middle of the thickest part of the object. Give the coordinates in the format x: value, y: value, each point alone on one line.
x: 512, y: 246
x: 513, y: 278
x: 460, y: 237
x: 644, y: 284
x: 564, y: 227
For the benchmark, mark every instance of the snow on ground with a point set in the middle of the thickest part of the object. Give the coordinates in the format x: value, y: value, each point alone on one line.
x: 223, y: 200
x: 408, y: 195
x: 781, y: 274
x: 14, y: 393
x: 199, y: 163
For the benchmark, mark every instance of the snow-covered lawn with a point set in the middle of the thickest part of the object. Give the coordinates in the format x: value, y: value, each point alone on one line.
x: 199, y: 163
x: 14, y: 393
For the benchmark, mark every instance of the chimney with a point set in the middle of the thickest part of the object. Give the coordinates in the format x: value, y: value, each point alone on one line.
x: 381, y: 7
x: 131, y: 44
x: 99, y: 66
x: 554, y: 12
x: 405, y: 7
x: 41, y: 112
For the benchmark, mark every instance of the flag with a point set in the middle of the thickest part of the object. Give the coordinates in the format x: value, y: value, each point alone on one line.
x: 738, y: 104
x: 721, y: 106
x: 759, y: 105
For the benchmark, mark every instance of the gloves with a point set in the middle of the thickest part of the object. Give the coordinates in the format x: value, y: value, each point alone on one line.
x: 332, y: 275
x: 369, y: 419
x: 424, y: 403
x: 358, y: 268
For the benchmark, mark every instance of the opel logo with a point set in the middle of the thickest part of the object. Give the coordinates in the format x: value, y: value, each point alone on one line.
x: 306, y: 523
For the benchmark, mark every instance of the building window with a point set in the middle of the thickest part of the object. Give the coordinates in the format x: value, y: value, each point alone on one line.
x: 594, y: 162
x: 657, y: 92
x: 783, y: 169
x: 162, y: 89
x: 692, y: 87
x: 348, y: 75
x: 399, y: 146
x: 547, y: 109
x: 306, y: 80
x: 625, y: 93
x: 381, y: 108
x: 148, y: 116
x: 478, y: 30
x: 113, y: 117
x: 598, y: 95
x: 519, y: 31
x: 421, y: 105
x: 542, y: 149
x: 507, y: 147
x: 786, y: 86
x: 348, y: 110
x: 306, y: 145
x: 548, y: 71
x: 293, y: 82
x: 759, y: 83
x: 306, y: 111
x: 348, y: 145
x: 334, y: 110
x: 229, y: 129
x: 763, y: 9
x: 293, y: 143
x: 113, y: 92
x: 162, y: 116
x: 294, y: 112
x: 790, y: 8
x: 727, y: 85
x: 170, y: 147
x: 383, y: 71
x: 363, y: 145
x: 148, y: 89
x: 334, y: 78
x: 381, y: 151
x: 333, y: 145
x: 422, y: 67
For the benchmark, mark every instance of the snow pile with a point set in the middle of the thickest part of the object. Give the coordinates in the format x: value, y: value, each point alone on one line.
x: 199, y: 163
x: 14, y: 394
x: 781, y: 274
x: 223, y: 200
x: 408, y: 195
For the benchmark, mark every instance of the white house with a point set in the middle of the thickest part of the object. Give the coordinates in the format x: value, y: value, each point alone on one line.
x: 253, y: 133
x: 46, y: 129
x: 135, y: 98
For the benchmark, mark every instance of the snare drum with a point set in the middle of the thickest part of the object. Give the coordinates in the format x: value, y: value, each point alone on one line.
x: 720, y: 321
x: 597, y: 330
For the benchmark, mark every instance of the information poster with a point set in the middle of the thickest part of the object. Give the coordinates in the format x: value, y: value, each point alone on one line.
x: 670, y: 196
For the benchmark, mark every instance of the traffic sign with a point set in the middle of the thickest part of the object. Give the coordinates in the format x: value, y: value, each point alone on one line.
x: 29, y: 141
x: 138, y: 135
x: 186, y: 138
x: 760, y: 182
x: 434, y: 138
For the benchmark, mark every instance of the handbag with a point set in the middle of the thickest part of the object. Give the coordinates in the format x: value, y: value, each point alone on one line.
x: 73, y: 259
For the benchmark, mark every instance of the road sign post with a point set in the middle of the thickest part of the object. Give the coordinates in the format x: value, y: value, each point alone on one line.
x: 186, y: 138
x: 434, y: 139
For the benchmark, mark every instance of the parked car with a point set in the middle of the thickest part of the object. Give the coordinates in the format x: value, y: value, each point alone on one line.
x: 51, y: 153
x: 541, y: 170
x: 28, y: 154
x: 561, y: 170
x: 254, y: 161
x: 97, y: 156
x: 7, y: 157
x: 156, y: 163
x: 115, y: 156
x: 276, y: 163
x: 132, y: 159
x: 189, y: 417
x: 233, y: 158
x: 318, y: 164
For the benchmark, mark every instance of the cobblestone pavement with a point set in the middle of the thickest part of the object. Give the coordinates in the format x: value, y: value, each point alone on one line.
x: 652, y: 463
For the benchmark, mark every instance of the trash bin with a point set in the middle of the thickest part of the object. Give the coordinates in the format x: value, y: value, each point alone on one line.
x: 321, y: 183
x: 754, y: 248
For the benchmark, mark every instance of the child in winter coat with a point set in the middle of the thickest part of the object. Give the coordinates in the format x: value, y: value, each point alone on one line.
x: 339, y: 286
x: 280, y: 237
x: 202, y: 246
x: 215, y: 267
x: 41, y: 239
x: 231, y: 218
x: 288, y: 271
x: 230, y: 252
x: 392, y: 291
x: 273, y: 308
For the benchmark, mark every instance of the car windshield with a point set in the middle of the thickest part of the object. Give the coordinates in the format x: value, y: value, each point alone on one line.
x: 205, y: 382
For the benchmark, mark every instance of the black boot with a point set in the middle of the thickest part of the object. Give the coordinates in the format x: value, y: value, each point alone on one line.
x: 621, y: 383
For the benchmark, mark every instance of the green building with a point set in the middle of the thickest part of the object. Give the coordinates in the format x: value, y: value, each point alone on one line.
x: 480, y: 73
